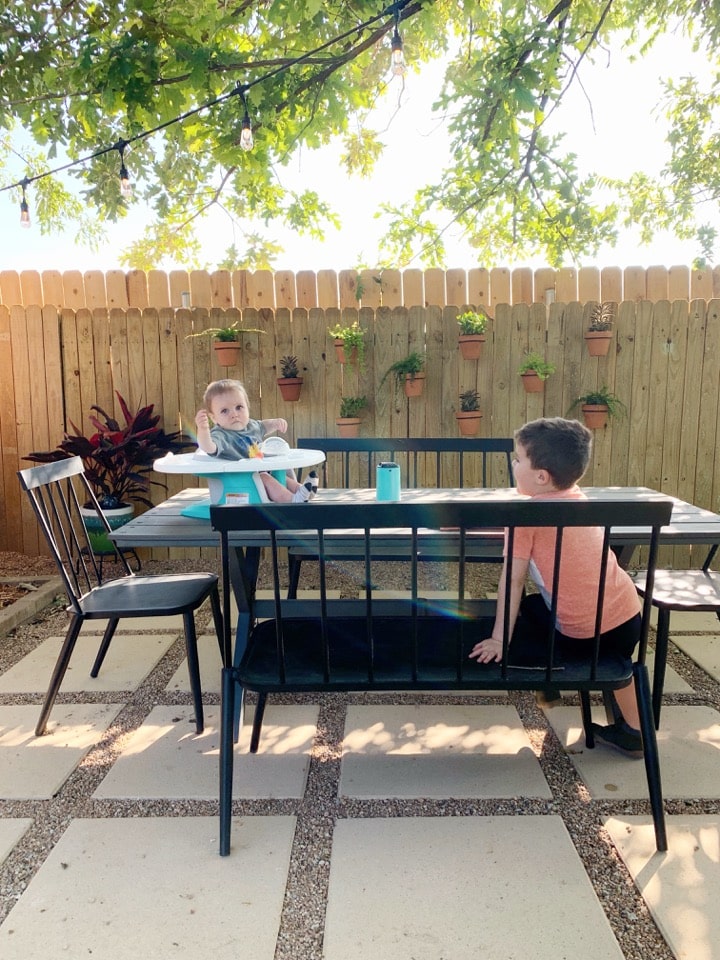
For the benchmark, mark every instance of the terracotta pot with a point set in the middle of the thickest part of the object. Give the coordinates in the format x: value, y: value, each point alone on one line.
x: 414, y: 384
x: 468, y: 422
x: 348, y: 426
x: 471, y: 345
x: 598, y: 342
x: 340, y: 352
x: 532, y: 382
x: 290, y: 387
x: 595, y: 415
x: 227, y: 352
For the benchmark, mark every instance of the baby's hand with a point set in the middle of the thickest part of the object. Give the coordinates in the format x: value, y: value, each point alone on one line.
x: 202, y: 420
x: 487, y: 651
x: 277, y: 425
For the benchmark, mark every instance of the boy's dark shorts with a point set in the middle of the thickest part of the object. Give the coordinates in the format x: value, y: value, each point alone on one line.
x: 531, y: 630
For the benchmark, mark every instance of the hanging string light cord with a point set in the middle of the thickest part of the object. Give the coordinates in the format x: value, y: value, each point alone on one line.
x: 240, y: 90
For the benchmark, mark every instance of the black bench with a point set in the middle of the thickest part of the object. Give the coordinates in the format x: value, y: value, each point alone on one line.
x: 372, y: 644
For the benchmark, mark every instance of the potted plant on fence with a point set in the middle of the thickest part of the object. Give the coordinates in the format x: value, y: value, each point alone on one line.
x: 598, y: 405
x: 409, y: 372
x: 534, y: 370
x: 226, y: 341
x: 469, y: 416
x: 472, y: 334
x: 599, y: 332
x: 118, y: 460
x: 348, y: 423
x: 349, y: 343
x: 290, y: 383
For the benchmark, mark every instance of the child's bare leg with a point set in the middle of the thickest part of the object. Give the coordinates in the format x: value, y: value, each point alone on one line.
x: 627, y: 701
x: 275, y: 490
x: 291, y: 481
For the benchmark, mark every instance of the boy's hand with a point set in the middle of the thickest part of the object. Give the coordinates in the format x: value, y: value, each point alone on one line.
x: 487, y: 651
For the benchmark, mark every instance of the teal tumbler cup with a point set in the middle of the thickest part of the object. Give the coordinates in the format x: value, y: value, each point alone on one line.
x: 387, y: 481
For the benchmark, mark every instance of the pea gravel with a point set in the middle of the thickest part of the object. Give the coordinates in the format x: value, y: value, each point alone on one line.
x: 303, y: 913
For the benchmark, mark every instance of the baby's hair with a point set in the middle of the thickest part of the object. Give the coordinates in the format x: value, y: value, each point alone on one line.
x: 217, y: 387
x: 562, y: 447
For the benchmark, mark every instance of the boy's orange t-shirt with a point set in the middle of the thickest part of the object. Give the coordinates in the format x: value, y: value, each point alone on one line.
x: 579, y: 573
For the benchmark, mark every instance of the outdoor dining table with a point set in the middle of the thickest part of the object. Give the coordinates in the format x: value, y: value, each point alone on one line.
x: 168, y: 525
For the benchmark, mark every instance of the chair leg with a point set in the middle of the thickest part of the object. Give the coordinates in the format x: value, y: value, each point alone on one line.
x: 661, y: 649
x: 257, y: 722
x: 58, y: 673
x: 227, y: 713
x: 587, y: 719
x: 194, y: 670
x: 226, y: 655
x: 104, y: 645
x: 650, y: 754
x: 293, y: 576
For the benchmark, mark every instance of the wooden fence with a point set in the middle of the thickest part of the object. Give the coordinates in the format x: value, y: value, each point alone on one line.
x: 329, y: 289
x: 664, y: 364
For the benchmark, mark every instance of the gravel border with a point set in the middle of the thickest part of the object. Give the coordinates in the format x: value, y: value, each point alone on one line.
x: 303, y: 912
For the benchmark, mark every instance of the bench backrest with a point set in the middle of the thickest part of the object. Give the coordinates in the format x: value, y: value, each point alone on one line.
x: 424, y: 461
x: 417, y: 642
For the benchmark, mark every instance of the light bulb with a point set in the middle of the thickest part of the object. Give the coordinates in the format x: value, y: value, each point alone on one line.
x: 24, y: 213
x: 397, y: 59
x: 126, y: 189
x: 246, y: 137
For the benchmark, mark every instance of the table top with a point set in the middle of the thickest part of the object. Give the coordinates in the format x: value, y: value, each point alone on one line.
x: 163, y: 526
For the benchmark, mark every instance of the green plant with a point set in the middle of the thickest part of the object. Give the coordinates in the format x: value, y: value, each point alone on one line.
x: 410, y: 365
x: 353, y: 338
x: 351, y: 406
x: 535, y: 363
x: 289, y: 367
x: 472, y: 322
x: 225, y: 334
x: 603, y: 397
x: 602, y: 317
x: 118, y: 458
x: 469, y: 401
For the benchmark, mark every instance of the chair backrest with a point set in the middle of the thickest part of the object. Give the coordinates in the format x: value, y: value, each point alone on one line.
x: 424, y: 461
x: 57, y: 492
x: 431, y: 629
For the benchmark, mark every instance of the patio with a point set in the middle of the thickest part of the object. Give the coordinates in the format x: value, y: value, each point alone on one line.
x: 389, y: 826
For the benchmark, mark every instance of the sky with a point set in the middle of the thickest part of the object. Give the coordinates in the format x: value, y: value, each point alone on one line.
x: 617, y: 135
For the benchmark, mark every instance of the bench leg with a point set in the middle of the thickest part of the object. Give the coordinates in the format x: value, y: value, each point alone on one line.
x: 661, y: 649
x: 586, y: 719
x: 650, y: 754
x: 227, y: 712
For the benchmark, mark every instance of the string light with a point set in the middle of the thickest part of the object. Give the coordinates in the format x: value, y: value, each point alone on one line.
x: 126, y: 189
x: 24, y: 208
x: 397, y: 58
x: 246, y: 135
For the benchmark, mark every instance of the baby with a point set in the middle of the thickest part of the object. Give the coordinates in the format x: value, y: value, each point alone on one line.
x: 235, y: 436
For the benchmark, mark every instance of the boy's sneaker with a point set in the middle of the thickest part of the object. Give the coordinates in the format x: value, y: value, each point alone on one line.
x: 549, y: 697
x: 620, y: 737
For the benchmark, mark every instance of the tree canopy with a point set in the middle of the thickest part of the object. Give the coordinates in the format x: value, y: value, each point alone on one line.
x: 83, y: 77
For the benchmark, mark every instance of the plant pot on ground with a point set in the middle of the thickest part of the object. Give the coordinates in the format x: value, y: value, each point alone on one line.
x: 469, y: 415
x: 349, y: 343
x: 290, y: 383
x: 535, y: 370
x: 348, y: 423
x: 408, y: 372
x: 599, y: 332
x: 598, y: 406
x: 118, y: 459
x: 472, y: 334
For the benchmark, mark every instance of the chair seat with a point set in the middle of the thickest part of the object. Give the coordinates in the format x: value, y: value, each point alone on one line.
x: 683, y: 589
x: 156, y: 595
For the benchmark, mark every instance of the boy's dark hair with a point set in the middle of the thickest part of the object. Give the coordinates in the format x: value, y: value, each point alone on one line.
x: 562, y: 447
